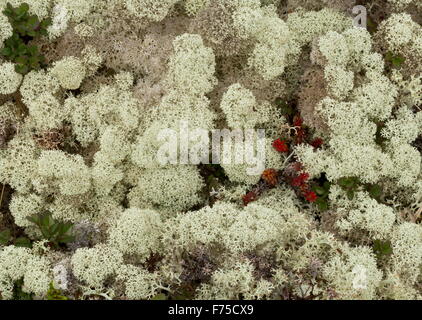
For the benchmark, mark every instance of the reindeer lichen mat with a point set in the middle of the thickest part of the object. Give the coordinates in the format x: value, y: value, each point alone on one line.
x: 210, y: 149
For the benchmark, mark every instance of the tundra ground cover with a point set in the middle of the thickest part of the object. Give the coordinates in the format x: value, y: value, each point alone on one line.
x: 88, y: 210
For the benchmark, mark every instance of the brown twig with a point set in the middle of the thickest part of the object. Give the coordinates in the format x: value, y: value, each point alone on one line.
x: 1, y: 196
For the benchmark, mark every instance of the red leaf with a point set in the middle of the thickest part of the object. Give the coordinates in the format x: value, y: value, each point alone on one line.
x: 311, y: 196
x: 280, y: 145
x: 300, y: 180
x: 270, y: 176
x: 249, y: 197
x: 317, y: 143
x: 297, y: 121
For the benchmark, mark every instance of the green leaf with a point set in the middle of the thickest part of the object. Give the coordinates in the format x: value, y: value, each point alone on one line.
x: 343, y: 182
x: 396, y: 60
x: 46, y: 23
x: 23, y: 242
x: 279, y: 102
x: 15, y: 48
x: 32, y: 21
x: 55, y: 228
x: 6, y: 51
x: 33, y: 50
x: 322, y: 204
x: 21, y: 49
x: 45, y: 221
x: 160, y: 296
x: 56, y: 232
x: 33, y: 61
x: 19, y: 16
x: 349, y: 183
x: 372, y: 25
x: 22, y: 69
x: 33, y: 219
x: 23, y: 8
x: 55, y: 294
x: 320, y: 191
x: 67, y: 239
x: 375, y: 191
x: 67, y: 227
x: 8, y: 10
x: 285, y: 108
x: 21, y: 60
x: 5, y: 237
x: 46, y: 233
x: 382, y: 248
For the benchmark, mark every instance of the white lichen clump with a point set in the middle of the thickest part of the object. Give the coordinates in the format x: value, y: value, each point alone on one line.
x: 101, y: 139
x: 10, y: 80
x: 70, y: 72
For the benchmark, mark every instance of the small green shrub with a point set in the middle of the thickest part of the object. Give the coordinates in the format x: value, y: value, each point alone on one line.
x: 56, y: 232
x: 55, y: 294
x: 26, y: 57
x: 350, y: 185
x: 25, y: 28
x: 322, y: 192
x: 24, y: 24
